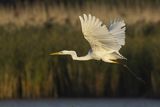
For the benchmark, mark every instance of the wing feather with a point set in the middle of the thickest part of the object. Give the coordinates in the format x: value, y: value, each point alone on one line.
x: 117, y: 28
x: 99, y: 36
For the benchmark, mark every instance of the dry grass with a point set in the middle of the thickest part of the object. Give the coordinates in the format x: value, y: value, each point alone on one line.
x: 27, y: 70
x: 38, y: 14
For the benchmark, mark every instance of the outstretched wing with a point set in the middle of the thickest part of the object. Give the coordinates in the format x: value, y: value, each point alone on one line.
x: 99, y: 36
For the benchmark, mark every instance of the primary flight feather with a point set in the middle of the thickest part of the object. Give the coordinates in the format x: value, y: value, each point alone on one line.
x: 105, y: 42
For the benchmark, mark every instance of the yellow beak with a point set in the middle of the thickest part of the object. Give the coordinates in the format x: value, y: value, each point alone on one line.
x: 56, y: 53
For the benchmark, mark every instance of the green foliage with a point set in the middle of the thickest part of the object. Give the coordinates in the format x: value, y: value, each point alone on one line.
x: 28, y: 71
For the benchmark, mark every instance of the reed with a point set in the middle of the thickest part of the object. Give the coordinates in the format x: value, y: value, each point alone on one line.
x: 29, y: 34
x: 39, y: 14
x: 27, y: 70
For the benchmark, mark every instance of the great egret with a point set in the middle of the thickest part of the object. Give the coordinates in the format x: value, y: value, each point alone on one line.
x: 105, y: 42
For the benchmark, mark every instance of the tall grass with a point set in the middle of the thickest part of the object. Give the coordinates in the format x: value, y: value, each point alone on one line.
x: 28, y: 34
x: 27, y: 70
x: 39, y: 14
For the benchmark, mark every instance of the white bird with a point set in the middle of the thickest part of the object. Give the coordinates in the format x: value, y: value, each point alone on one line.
x: 105, y: 42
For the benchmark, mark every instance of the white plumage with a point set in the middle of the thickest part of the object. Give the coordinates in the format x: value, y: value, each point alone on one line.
x: 105, y: 42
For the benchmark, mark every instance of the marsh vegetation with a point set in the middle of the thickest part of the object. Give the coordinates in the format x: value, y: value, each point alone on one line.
x: 29, y: 33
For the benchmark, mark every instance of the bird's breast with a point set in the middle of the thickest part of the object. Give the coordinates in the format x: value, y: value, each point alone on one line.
x: 98, y: 53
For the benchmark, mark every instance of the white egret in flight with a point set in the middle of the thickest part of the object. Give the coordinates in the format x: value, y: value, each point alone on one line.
x: 105, y: 42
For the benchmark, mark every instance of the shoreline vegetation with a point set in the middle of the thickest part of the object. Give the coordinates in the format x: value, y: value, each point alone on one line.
x: 28, y: 34
x: 39, y: 14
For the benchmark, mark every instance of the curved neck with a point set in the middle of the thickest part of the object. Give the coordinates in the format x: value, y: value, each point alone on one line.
x: 75, y: 57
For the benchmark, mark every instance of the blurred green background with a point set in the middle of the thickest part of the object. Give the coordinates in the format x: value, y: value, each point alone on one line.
x: 31, y: 29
